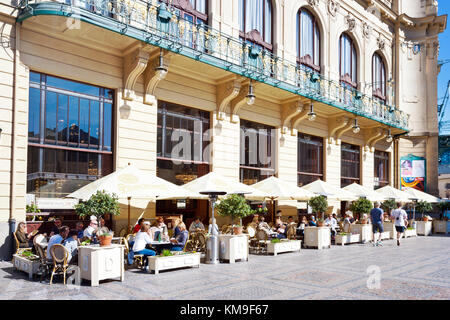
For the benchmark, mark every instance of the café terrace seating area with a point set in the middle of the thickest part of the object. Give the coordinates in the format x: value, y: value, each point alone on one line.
x: 104, y: 255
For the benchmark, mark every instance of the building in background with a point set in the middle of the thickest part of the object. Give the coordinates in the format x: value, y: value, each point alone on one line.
x: 339, y: 90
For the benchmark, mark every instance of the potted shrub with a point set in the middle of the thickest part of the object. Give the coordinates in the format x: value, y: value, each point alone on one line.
x: 32, y: 208
x: 422, y: 207
x: 99, y: 204
x: 320, y: 222
x: 235, y: 206
x: 389, y: 205
x: 361, y: 206
x: 319, y: 205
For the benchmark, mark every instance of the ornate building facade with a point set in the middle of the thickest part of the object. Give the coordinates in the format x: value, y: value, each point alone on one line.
x: 339, y: 90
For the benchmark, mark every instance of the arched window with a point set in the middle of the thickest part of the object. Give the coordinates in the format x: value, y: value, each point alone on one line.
x: 378, y: 77
x: 195, y: 11
x: 255, y: 22
x: 347, y: 60
x: 308, y: 40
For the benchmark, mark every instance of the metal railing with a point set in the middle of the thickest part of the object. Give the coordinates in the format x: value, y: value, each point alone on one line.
x: 159, y: 25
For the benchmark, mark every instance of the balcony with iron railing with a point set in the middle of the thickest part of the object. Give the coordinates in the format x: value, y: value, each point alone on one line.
x: 157, y: 25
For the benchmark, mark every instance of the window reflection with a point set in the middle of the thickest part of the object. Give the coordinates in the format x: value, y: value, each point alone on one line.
x: 350, y: 164
x: 310, y: 159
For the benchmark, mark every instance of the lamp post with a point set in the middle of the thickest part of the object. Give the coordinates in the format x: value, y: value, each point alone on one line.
x: 212, y: 244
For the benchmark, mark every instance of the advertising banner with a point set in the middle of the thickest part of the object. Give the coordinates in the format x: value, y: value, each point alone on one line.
x: 413, y: 172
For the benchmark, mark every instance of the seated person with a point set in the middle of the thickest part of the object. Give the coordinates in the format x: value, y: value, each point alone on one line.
x: 254, y: 223
x: 178, y: 243
x: 23, y: 238
x: 263, y: 225
x: 71, y: 245
x: 312, y: 221
x: 176, y: 230
x: 57, y: 239
x: 211, y: 226
x: 138, y: 226
x: 91, y: 231
x: 79, y: 228
x: 196, y: 225
x: 291, y: 220
x: 332, y: 223
x: 350, y: 216
x: 280, y: 229
x: 278, y: 214
x: 160, y: 228
x: 103, y: 228
x: 57, y: 223
x: 301, y: 226
x: 141, y: 240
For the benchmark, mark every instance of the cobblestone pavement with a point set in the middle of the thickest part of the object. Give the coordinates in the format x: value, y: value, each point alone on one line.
x: 418, y: 269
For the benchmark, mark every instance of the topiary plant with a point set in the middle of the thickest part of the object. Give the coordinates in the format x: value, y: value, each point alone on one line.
x: 389, y: 205
x: 98, y: 204
x: 423, y: 206
x: 361, y: 206
x: 235, y: 206
x: 319, y: 205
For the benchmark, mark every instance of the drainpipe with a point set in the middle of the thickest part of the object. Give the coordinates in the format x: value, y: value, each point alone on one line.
x: 12, y: 203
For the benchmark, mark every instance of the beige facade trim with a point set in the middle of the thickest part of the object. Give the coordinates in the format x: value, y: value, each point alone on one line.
x: 134, y: 65
x: 226, y: 92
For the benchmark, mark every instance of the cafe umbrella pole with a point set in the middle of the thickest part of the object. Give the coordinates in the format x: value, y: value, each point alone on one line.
x: 212, y: 244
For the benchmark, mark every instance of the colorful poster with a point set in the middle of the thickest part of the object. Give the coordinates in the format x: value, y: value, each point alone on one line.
x: 413, y: 172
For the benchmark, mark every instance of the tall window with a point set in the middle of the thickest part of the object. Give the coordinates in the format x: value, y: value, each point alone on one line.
x: 257, y: 152
x: 183, y: 138
x: 308, y: 40
x: 347, y: 61
x: 310, y: 159
x: 350, y: 164
x: 69, y: 135
x: 255, y: 22
x: 381, y: 169
x: 378, y: 77
x: 195, y: 11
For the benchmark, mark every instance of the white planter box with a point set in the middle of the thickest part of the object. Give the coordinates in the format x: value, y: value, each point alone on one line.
x: 349, y: 238
x: 384, y: 235
x: 424, y: 228
x: 233, y: 247
x: 98, y: 263
x: 389, y: 227
x: 283, y: 246
x: 317, y: 237
x: 365, y: 230
x: 158, y: 263
x: 28, y: 266
x: 441, y: 226
x: 410, y: 233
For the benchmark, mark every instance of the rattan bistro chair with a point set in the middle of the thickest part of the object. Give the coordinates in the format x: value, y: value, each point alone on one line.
x: 18, y: 248
x: 44, y: 263
x: 138, y: 259
x: 291, y: 232
x: 60, y: 256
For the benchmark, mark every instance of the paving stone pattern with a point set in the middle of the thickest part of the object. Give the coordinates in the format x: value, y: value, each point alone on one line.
x: 418, y: 269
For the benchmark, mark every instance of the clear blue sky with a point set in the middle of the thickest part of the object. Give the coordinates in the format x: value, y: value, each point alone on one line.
x: 444, y: 53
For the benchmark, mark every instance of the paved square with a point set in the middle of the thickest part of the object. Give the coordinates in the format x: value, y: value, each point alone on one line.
x: 418, y: 269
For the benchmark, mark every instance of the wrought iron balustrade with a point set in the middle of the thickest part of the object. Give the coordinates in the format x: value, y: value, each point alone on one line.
x: 159, y: 25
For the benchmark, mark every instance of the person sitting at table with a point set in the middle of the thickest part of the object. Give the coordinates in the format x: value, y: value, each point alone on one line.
x: 160, y: 228
x: 332, y: 223
x: 312, y: 221
x: 196, y: 225
x: 71, y: 245
x: 138, y: 226
x: 80, y: 230
x: 211, y: 226
x: 264, y: 226
x: 141, y: 240
x: 255, y: 222
x: 176, y: 223
x: 103, y: 229
x: 91, y: 231
x: 280, y: 229
x: 57, y: 222
x: 57, y: 239
x: 23, y: 238
x: 177, y: 243
x: 301, y: 226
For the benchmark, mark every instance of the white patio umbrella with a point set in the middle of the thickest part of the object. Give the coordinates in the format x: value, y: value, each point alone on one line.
x: 130, y: 182
x: 323, y: 188
x: 364, y: 192
x: 392, y: 193
x: 421, y: 196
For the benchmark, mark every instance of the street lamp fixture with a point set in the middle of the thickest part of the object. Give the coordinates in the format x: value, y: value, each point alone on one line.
x: 161, y: 70
x: 356, y: 127
x: 389, y: 137
x: 250, y: 98
x: 312, y: 115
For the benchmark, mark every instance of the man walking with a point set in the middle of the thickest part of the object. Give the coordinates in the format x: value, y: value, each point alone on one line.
x: 376, y: 215
x: 400, y: 221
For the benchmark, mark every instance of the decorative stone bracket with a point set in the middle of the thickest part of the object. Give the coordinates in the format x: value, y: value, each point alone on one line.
x: 152, y: 77
x: 226, y: 92
x: 288, y: 111
x: 240, y: 100
x: 372, y: 137
x: 302, y: 115
x: 337, y: 127
x: 134, y: 64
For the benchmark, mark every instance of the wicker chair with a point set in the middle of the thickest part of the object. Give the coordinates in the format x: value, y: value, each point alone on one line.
x: 60, y: 264
x: 44, y: 263
x: 197, y: 241
x: 18, y: 249
x: 138, y: 259
x: 291, y: 232
x: 262, y: 238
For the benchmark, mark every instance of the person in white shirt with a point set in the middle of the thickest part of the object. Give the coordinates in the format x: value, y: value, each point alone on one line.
x: 141, y: 240
x: 71, y: 245
x: 400, y: 219
x: 332, y: 223
x: 160, y: 228
x: 57, y: 239
x: 196, y: 225
x: 211, y: 226
x: 90, y: 230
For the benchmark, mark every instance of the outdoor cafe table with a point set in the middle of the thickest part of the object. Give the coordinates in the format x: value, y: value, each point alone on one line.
x: 98, y: 263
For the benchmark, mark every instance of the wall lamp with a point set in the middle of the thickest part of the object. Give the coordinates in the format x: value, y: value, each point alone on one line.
x: 250, y: 98
x: 311, y: 114
x: 389, y: 137
x: 161, y: 70
x: 356, y: 128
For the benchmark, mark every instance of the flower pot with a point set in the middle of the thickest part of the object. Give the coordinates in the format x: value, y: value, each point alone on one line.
x: 105, y: 240
x: 237, y: 230
x: 320, y: 223
x: 425, y: 219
